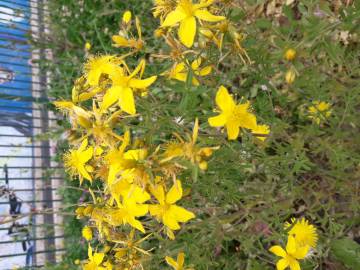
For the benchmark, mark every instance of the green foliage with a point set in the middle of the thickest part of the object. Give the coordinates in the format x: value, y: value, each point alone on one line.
x: 346, y: 251
x: 251, y: 188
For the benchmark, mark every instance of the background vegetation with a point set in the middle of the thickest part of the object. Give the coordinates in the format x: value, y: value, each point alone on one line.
x: 250, y: 189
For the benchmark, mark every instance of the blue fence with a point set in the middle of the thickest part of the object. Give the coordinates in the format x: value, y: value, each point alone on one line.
x: 20, y: 122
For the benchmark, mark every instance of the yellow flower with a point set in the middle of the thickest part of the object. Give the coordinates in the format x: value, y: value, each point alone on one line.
x: 77, y: 114
x: 81, y: 90
x: 135, y: 169
x: 233, y: 116
x: 186, y: 13
x: 75, y: 161
x: 290, y: 54
x: 87, y: 233
x: 262, y: 131
x: 180, y: 71
x: 319, y: 111
x: 291, y: 255
x: 131, y: 206
x: 102, y: 129
x: 304, y: 233
x: 122, y: 40
x: 80, y: 212
x: 290, y: 76
x: 179, y: 263
x: 115, y: 159
x: 197, y: 155
x: 95, y: 260
x: 123, y: 86
x: 208, y: 35
x: 126, y: 18
x: 96, y: 66
x: 167, y: 210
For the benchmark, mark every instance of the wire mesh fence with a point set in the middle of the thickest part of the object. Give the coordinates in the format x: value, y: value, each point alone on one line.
x: 30, y: 227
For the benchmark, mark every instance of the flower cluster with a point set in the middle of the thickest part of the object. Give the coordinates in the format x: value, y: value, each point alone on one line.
x: 301, y: 242
x: 319, y: 111
x: 135, y: 186
x: 137, y: 182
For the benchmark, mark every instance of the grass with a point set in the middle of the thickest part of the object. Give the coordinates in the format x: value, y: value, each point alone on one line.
x: 250, y: 189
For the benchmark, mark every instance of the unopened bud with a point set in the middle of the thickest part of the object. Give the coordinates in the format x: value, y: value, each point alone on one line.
x: 290, y: 76
x: 126, y: 17
x: 87, y: 46
x: 290, y: 54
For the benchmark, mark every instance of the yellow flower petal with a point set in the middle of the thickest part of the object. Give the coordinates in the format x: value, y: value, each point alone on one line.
x: 158, y: 192
x: 181, y: 258
x: 187, y: 31
x: 217, y: 121
x: 137, y: 83
x: 278, y: 251
x: 205, y: 15
x: 282, y: 264
x: 261, y: 130
x: 170, y: 234
x: 205, y: 71
x: 155, y: 210
x: 180, y: 77
x: 86, y: 155
x: 171, y: 262
x: 291, y: 245
x: 301, y: 252
x: 87, y: 233
x: 224, y: 100
x: 181, y: 214
x: 180, y: 67
x: 120, y: 41
x: 203, y: 4
x: 93, y: 76
x: 110, y: 97
x: 233, y: 130
x: 83, y: 145
x: 136, y: 224
x: 173, y: 18
x: 196, y: 63
x: 195, y: 130
x: 126, y: 100
x: 90, y: 255
x: 98, y: 258
x: 83, y: 172
x: 175, y: 193
x: 140, y: 68
x: 294, y: 265
x: 195, y: 81
x: 138, y: 210
x: 170, y: 222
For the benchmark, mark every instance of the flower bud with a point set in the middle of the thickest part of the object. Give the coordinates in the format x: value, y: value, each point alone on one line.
x: 158, y: 32
x: 290, y: 54
x: 203, y: 165
x: 290, y: 76
x: 87, y: 46
x: 126, y: 17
